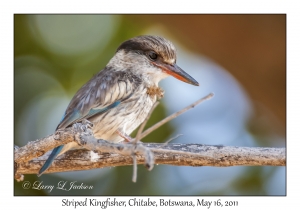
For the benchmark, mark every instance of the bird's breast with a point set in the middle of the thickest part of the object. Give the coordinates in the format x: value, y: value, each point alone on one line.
x: 127, y: 116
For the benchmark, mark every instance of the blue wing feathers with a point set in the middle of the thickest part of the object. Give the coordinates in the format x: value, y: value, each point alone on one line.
x: 98, y: 111
x: 68, y: 119
x: 50, y: 159
x: 75, y: 116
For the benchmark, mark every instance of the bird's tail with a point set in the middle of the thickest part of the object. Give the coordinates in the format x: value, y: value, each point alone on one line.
x: 50, y: 159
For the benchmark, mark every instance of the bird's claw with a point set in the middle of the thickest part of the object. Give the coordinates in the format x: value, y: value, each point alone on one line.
x: 126, y: 137
x: 87, y: 123
x: 84, y: 128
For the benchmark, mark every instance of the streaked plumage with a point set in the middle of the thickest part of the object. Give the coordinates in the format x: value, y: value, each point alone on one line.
x: 120, y: 96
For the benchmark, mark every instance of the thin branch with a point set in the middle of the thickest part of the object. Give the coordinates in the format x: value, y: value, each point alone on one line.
x: 171, y: 117
x: 139, y: 133
x: 138, y: 137
x: 171, y: 139
x: 134, y: 163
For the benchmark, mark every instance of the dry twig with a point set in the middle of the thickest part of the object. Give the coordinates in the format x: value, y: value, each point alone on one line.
x: 141, y: 128
x: 176, y: 114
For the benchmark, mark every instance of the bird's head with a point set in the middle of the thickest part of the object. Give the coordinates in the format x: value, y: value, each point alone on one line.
x: 152, y: 57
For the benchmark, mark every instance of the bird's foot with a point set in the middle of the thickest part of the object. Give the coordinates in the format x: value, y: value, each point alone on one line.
x: 87, y: 123
x: 126, y: 137
x: 85, y: 127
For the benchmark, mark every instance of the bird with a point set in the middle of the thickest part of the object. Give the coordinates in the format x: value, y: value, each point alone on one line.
x: 118, y: 98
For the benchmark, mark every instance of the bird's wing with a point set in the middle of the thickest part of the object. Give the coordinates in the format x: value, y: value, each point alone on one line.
x: 103, y: 92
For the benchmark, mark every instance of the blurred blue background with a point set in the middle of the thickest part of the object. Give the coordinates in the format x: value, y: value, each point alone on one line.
x: 240, y: 58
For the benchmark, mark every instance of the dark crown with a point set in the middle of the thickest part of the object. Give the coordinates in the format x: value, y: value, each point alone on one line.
x: 141, y: 44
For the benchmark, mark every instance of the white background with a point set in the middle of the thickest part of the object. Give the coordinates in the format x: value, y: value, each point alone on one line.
x: 9, y: 8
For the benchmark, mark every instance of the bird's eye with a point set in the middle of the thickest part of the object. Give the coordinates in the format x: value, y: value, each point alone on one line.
x: 152, y: 55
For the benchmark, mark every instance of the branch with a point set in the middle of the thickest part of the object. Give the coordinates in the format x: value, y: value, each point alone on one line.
x: 171, y: 154
x: 39, y: 147
x: 101, y: 153
x: 174, y: 115
x: 142, y: 126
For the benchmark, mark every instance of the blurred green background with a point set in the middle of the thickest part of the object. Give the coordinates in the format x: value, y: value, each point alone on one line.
x: 241, y: 58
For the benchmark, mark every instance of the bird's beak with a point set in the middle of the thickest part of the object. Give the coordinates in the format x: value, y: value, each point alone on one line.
x: 177, y: 72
